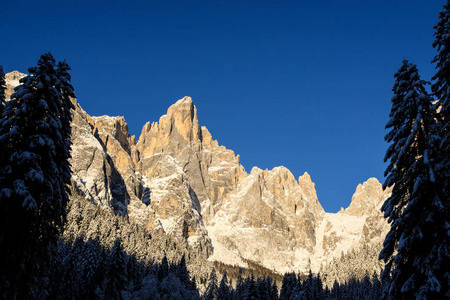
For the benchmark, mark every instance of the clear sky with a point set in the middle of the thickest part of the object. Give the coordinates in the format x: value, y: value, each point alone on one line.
x: 303, y: 84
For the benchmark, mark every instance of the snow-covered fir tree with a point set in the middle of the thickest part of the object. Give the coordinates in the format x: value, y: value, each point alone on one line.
x: 63, y: 145
x: 251, y: 291
x: 33, y: 188
x: 263, y: 288
x: 273, y: 290
x: 212, y: 289
x: 2, y: 90
x: 224, y: 288
x: 288, y: 285
x: 240, y: 286
x: 182, y: 271
x: 441, y: 80
x: 413, y: 208
x: 116, y: 275
x: 89, y: 269
x: 163, y: 269
x: 335, y: 291
x: 3, y: 158
x: 440, y: 256
x: 376, y: 287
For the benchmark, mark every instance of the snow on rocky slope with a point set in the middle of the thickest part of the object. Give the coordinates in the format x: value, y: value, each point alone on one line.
x: 178, y: 180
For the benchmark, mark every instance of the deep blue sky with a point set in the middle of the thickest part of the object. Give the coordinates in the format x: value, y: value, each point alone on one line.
x: 303, y: 84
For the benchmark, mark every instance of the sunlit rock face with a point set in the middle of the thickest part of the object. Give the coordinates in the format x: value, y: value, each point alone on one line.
x: 366, y: 198
x: 12, y: 80
x: 366, y: 202
x: 270, y: 219
x: 176, y: 145
x: 177, y: 179
x: 155, y: 192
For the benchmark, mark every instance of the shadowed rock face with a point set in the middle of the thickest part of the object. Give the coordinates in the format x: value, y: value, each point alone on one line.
x: 177, y: 179
x: 95, y: 170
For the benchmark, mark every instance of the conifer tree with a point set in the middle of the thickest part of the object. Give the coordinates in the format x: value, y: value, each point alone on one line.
x: 224, y: 289
x: 376, y: 286
x: 134, y: 273
x: 441, y: 88
x: 2, y: 90
x: 3, y: 158
x: 63, y: 145
x: 309, y: 288
x: 88, y: 276
x: 318, y: 287
x: 335, y: 291
x: 212, y: 288
x: 287, y: 285
x: 367, y: 286
x: 413, y: 207
x: 163, y: 269
x: 441, y: 84
x: 263, y: 288
x: 251, y: 291
x: 56, y: 271
x: 70, y: 270
x: 182, y: 272
x: 273, y: 291
x: 116, y: 276
x: 32, y: 191
x: 240, y: 284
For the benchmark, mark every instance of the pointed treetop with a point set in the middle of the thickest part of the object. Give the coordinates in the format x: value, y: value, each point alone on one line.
x: 2, y: 89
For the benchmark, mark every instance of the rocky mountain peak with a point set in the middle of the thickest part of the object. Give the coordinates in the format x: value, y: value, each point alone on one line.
x: 12, y: 80
x: 305, y: 178
x: 366, y: 198
x: 174, y: 131
x: 14, y: 75
x: 309, y: 190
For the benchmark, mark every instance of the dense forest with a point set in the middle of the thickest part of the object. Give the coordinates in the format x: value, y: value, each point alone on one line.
x: 55, y: 244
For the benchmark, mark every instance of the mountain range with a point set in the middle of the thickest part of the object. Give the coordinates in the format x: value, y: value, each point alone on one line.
x: 176, y: 179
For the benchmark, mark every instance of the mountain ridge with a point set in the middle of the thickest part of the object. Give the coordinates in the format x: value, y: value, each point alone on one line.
x: 178, y: 180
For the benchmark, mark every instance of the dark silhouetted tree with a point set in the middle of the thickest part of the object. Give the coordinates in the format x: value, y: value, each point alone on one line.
x: 224, y: 288
x: 116, y: 275
x: 2, y: 90
x: 163, y: 269
x: 182, y: 272
x: 439, y: 257
x: 212, y: 288
x: 414, y: 206
x: 287, y: 285
x: 251, y: 290
x: 33, y: 188
x: 441, y: 84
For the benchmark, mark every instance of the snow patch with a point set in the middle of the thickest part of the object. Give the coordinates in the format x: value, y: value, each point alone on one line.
x: 220, y: 252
